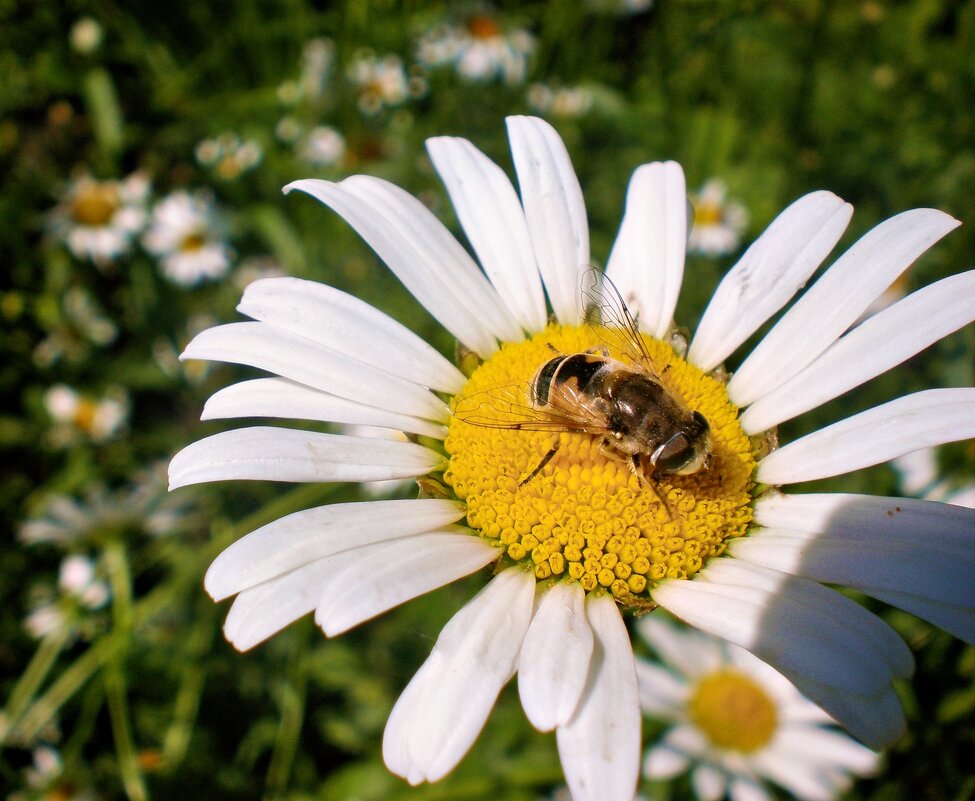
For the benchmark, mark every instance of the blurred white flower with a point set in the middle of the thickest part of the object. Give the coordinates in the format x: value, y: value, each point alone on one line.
x: 86, y: 35
x: 228, y: 155
x: 719, y: 221
x: 322, y: 147
x: 98, y: 220
x: 142, y: 506
x: 74, y: 414
x: 76, y: 578
x: 921, y: 478
x: 316, y: 66
x: 738, y: 723
x: 479, y: 50
x: 566, y: 102
x: 381, y: 81
x: 620, y: 7
x: 184, y: 235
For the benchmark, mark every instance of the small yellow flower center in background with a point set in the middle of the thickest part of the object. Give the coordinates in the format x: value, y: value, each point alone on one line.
x: 483, y: 27
x: 708, y: 214
x: 84, y: 415
x: 733, y: 711
x: 94, y: 204
x: 586, y: 516
x: 192, y: 243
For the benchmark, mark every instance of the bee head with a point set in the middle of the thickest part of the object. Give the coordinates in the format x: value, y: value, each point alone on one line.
x: 686, y: 452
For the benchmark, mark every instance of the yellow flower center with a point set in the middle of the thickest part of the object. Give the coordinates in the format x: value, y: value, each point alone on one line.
x: 733, y: 711
x: 192, y: 242
x: 85, y: 414
x: 586, y: 515
x: 708, y: 214
x: 94, y: 204
x: 483, y: 27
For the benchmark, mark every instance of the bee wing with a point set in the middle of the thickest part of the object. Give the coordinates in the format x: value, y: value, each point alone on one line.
x: 510, y: 408
x: 608, y: 315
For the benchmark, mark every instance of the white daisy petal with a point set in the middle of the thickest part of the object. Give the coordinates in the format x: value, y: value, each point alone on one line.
x: 828, y: 747
x: 874, y: 517
x: 343, y: 323
x: 439, y: 250
x: 709, y: 783
x: 803, y: 780
x: 957, y: 619
x: 600, y: 747
x: 867, y: 564
x: 282, y: 454
x: 436, y: 285
x: 769, y: 273
x: 444, y: 707
x: 661, y: 693
x: 877, y: 719
x: 377, y: 577
x: 259, y: 612
x: 864, y: 627
x: 663, y: 762
x: 888, y: 338
x: 743, y: 788
x: 491, y: 215
x: 690, y: 653
x: 836, y: 300
x: 298, y: 358
x: 554, y: 662
x: 647, y: 260
x: 284, y: 399
x: 834, y: 651
x: 877, y: 435
x: 303, y: 537
x: 555, y: 211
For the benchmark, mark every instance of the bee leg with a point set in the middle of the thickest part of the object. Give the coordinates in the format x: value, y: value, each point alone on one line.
x: 637, y: 468
x: 545, y: 460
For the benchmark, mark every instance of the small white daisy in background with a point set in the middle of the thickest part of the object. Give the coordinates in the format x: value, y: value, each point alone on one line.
x: 737, y: 723
x: 80, y: 591
x: 86, y: 35
x: 479, y: 49
x: 141, y: 507
x: 323, y: 146
x: 381, y: 82
x: 76, y: 414
x: 719, y: 221
x: 228, y: 155
x: 82, y: 323
x: 567, y: 102
x: 44, y: 780
x: 921, y: 478
x: 185, y: 236
x: 575, y: 535
x: 98, y: 220
x: 317, y: 60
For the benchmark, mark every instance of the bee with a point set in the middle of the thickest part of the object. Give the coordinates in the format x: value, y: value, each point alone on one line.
x: 626, y: 404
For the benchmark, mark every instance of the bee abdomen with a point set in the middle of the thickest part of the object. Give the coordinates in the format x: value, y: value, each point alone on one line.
x: 578, y: 367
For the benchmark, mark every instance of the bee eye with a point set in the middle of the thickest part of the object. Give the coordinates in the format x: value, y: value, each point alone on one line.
x: 674, y: 454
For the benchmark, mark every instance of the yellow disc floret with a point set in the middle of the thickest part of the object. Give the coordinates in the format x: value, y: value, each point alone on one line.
x: 733, y: 711
x: 586, y: 515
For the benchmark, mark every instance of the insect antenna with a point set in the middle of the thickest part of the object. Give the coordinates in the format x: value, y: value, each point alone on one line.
x: 545, y: 460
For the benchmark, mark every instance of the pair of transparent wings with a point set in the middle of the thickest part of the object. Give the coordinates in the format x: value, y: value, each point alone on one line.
x: 510, y: 407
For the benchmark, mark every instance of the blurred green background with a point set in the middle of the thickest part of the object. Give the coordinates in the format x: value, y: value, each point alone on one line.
x: 116, y: 681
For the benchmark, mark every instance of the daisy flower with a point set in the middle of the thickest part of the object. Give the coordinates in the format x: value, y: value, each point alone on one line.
x: 574, y: 536
x: 737, y: 722
x: 97, y: 220
x: 479, y: 50
x: 74, y: 413
x: 382, y: 82
x: 184, y: 235
x: 567, y: 102
x: 719, y: 221
x: 228, y: 155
